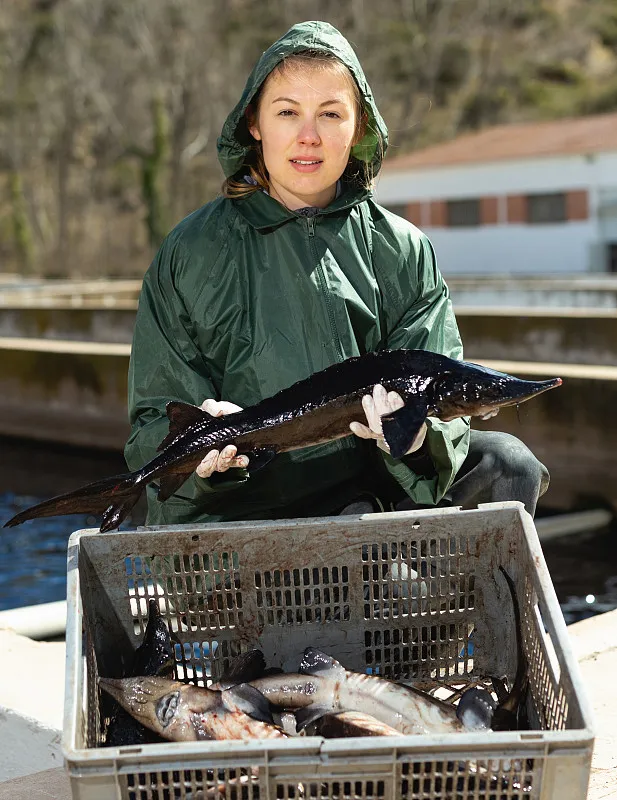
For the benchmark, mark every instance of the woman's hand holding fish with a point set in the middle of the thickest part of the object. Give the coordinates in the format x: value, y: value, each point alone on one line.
x: 220, y: 461
x: 377, y: 405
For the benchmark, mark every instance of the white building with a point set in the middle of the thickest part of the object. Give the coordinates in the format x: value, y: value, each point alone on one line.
x: 527, y: 198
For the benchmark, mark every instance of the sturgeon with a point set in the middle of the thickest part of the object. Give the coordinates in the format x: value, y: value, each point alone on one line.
x: 323, y: 686
x: 182, y: 712
x: 154, y: 656
x: 313, y: 411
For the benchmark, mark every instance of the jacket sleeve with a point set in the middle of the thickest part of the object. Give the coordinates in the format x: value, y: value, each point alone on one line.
x: 166, y: 365
x: 425, y: 322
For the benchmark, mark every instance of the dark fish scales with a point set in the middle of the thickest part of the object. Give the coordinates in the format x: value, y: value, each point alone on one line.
x: 154, y: 656
x: 313, y: 411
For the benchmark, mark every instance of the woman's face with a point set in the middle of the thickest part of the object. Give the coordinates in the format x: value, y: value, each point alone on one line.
x: 306, y: 123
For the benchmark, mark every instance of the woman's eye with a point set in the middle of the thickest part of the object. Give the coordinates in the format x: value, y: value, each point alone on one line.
x: 332, y: 115
x: 286, y: 112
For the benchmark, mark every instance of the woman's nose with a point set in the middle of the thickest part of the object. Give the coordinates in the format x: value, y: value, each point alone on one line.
x: 308, y: 134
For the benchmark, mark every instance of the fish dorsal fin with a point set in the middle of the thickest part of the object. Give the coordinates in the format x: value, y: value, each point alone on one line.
x: 314, y: 662
x: 181, y: 416
x: 248, y: 700
x: 246, y: 667
x: 400, y: 427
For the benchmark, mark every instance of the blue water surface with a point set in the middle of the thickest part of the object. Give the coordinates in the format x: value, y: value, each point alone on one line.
x: 33, y: 554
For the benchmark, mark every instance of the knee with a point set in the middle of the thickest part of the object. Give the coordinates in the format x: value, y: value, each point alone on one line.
x: 506, y: 456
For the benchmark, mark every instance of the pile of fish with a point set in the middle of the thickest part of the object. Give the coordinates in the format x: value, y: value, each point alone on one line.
x: 322, y: 698
x: 313, y: 411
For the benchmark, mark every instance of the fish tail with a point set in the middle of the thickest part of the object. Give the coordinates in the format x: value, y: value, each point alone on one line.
x: 112, y: 497
x: 520, y: 679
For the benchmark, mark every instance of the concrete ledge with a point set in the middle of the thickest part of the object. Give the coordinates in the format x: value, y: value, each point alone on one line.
x: 572, y: 336
x: 66, y: 322
x: 559, y: 291
x: 102, y: 292
x: 31, y: 704
x: 70, y: 392
x: 568, y: 429
x: 519, y: 333
x: 595, y: 646
x: 51, y: 784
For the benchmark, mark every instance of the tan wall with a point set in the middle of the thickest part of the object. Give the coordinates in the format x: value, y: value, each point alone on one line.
x: 75, y: 398
x: 569, y: 338
x: 571, y: 430
x: 77, y: 324
x: 574, y: 337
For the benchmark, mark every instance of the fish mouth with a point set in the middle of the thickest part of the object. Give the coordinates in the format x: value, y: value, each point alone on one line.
x: 166, y: 708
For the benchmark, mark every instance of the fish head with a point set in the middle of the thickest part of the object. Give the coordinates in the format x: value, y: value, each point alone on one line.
x: 471, y: 390
x: 162, y: 705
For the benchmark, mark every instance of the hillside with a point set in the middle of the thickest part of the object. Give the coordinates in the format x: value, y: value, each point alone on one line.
x: 109, y: 111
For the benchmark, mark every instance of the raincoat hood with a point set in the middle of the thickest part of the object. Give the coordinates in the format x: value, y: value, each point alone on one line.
x: 235, y: 140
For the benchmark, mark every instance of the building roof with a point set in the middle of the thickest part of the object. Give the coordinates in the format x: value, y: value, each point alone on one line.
x: 519, y: 141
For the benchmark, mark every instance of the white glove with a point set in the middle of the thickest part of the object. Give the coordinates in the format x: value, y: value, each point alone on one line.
x: 375, y: 407
x: 220, y: 461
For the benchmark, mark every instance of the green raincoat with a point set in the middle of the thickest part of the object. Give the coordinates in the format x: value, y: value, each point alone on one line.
x: 245, y: 298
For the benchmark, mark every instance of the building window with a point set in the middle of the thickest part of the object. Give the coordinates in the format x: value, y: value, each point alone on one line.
x: 400, y: 210
x: 612, y: 257
x: 463, y: 213
x: 543, y: 208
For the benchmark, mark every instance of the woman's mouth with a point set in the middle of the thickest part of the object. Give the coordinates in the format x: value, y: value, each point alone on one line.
x: 305, y: 165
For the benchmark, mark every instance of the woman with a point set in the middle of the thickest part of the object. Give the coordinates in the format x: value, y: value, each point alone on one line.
x: 293, y: 269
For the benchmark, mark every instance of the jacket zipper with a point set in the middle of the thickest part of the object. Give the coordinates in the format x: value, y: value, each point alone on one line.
x: 310, y: 224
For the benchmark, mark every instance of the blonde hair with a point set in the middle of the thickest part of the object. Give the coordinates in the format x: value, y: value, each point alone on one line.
x: 356, y: 171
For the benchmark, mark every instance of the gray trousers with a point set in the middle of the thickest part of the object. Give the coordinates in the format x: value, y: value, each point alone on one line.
x: 498, y: 467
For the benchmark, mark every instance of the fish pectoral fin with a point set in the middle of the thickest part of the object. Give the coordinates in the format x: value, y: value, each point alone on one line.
x: 476, y: 708
x: 314, y: 662
x: 169, y: 484
x: 305, y: 716
x: 249, y: 701
x: 181, y: 416
x: 259, y: 458
x: 246, y: 667
x: 401, y: 427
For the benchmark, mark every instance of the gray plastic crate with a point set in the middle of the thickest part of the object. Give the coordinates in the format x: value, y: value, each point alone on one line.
x: 404, y: 595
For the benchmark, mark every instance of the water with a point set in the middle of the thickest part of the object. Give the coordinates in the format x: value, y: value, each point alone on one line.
x: 583, y: 568
x: 33, y: 555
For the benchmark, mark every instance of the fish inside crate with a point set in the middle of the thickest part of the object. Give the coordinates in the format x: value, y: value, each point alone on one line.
x: 416, y: 597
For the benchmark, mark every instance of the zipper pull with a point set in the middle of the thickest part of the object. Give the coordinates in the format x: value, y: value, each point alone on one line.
x: 310, y: 222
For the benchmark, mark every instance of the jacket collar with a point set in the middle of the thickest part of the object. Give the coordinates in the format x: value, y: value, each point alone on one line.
x: 262, y: 211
